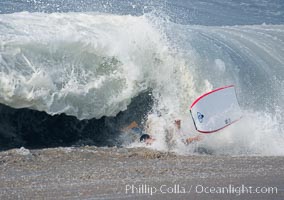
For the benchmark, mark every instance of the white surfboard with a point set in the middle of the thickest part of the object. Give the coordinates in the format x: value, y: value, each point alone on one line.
x: 215, y: 110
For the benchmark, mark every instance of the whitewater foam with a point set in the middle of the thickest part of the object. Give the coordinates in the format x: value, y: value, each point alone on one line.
x: 82, y: 64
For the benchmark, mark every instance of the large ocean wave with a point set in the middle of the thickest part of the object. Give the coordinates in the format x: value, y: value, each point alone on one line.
x: 91, y: 65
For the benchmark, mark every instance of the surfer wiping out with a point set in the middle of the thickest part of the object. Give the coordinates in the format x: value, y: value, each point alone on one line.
x: 148, y: 139
x: 206, y: 118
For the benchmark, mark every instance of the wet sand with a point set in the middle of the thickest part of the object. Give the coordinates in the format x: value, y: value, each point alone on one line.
x: 119, y: 173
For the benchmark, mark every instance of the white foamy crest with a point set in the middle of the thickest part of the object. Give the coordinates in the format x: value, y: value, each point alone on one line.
x: 82, y: 64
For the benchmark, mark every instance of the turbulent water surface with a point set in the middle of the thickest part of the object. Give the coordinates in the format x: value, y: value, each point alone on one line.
x: 75, y: 72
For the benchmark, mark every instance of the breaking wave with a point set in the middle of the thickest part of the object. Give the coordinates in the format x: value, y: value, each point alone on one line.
x: 91, y: 65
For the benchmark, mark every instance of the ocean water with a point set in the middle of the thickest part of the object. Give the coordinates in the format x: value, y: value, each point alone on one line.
x: 76, y: 72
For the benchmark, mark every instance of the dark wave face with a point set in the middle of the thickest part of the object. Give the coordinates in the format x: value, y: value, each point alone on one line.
x: 34, y: 129
x: 75, y: 72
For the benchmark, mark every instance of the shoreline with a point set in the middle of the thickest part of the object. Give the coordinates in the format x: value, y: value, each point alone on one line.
x: 120, y: 173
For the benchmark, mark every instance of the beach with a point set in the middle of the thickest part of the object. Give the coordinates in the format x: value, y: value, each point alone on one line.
x: 121, y: 173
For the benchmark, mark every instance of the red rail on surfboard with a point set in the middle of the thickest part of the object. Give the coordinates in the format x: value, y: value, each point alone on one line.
x: 215, y: 110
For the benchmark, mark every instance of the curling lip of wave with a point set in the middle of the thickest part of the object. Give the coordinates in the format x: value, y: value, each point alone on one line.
x: 82, y: 64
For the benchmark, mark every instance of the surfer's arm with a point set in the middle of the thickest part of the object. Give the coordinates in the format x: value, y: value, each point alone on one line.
x: 130, y: 126
x: 193, y: 139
